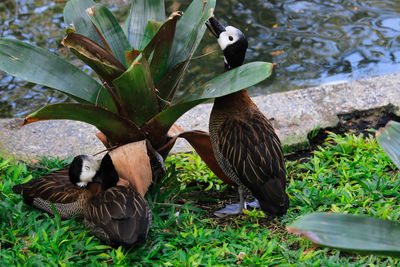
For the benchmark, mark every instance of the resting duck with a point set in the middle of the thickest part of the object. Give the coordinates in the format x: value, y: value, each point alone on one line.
x: 244, y: 141
x: 118, y: 215
x: 56, y: 188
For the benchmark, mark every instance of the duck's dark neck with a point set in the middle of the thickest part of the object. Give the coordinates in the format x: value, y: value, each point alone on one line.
x: 235, y: 100
x: 94, y: 188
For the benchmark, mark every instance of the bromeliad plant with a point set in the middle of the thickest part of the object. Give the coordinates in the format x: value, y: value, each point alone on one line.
x: 140, y: 66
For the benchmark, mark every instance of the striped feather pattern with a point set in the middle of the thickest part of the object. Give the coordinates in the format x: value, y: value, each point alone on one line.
x: 249, y: 151
x: 119, y: 216
x: 56, y: 188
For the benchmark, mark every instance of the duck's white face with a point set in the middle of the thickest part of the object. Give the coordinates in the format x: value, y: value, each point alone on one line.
x: 90, y: 166
x: 230, y: 36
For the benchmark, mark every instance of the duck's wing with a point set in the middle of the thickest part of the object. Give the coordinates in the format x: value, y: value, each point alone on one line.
x: 53, y: 190
x: 254, y: 151
x: 54, y: 187
x: 119, y: 216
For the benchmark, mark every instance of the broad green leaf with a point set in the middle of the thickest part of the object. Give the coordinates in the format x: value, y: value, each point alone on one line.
x: 232, y: 81
x: 224, y: 84
x: 117, y: 129
x: 188, y: 34
x: 37, y: 65
x: 75, y: 17
x: 389, y: 139
x: 169, y: 116
x: 355, y: 233
x: 135, y: 91
x: 108, y: 27
x: 190, y: 30
x: 158, y: 50
x: 150, y: 31
x: 140, y: 13
x: 170, y: 83
x: 99, y: 59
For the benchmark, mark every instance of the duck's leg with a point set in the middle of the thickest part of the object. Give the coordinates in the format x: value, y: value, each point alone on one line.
x: 233, y: 209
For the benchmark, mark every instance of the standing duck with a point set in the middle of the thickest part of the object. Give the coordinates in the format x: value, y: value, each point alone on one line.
x: 244, y: 141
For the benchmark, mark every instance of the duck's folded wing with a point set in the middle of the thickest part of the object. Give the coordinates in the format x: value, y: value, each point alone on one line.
x: 53, y: 191
x: 54, y: 187
x: 254, y: 152
x: 119, y: 216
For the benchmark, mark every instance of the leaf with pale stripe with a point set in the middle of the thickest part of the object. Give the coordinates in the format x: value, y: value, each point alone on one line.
x: 190, y: 30
x: 117, y: 129
x: 140, y: 13
x: 224, y: 84
x: 353, y: 233
x: 75, y: 17
x: 110, y: 30
x: 37, y: 65
x: 389, y: 139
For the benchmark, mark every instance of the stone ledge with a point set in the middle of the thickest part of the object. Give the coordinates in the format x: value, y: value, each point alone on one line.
x: 293, y: 113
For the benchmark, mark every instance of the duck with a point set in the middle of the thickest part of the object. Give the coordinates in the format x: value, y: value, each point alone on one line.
x: 56, y: 188
x: 243, y: 140
x: 117, y: 214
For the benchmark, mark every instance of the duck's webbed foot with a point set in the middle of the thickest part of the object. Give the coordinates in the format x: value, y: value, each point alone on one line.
x: 255, y: 204
x: 233, y: 209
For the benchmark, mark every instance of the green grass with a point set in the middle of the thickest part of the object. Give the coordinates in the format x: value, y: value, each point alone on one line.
x: 349, y: 174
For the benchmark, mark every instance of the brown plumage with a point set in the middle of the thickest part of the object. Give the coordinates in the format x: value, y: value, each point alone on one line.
x: 55, y: 187
x: 244, y: 142
x: 118, y: 215
x: 249, y: 151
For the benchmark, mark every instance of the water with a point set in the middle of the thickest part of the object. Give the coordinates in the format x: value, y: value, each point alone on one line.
x: 311, y: 42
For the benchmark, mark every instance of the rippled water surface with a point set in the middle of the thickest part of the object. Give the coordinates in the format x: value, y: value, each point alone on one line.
x: 312, y: 42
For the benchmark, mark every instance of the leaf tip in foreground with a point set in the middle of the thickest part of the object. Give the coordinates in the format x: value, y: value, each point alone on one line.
x: 70, y: 30
x: 176, y: 14
x: 90, y: 11
x: 28, y: 119
x: 313, y: 237
x: 383, y: 129
x: 103, y: 138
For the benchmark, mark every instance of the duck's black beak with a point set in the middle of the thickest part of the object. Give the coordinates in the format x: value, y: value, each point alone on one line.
x: 215, y: 27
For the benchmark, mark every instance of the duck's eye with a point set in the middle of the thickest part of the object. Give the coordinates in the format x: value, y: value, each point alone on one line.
x: 230, y: 38
x: 87, y: 168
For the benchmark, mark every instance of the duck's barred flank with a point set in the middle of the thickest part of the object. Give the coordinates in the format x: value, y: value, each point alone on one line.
x: 65, y: 211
